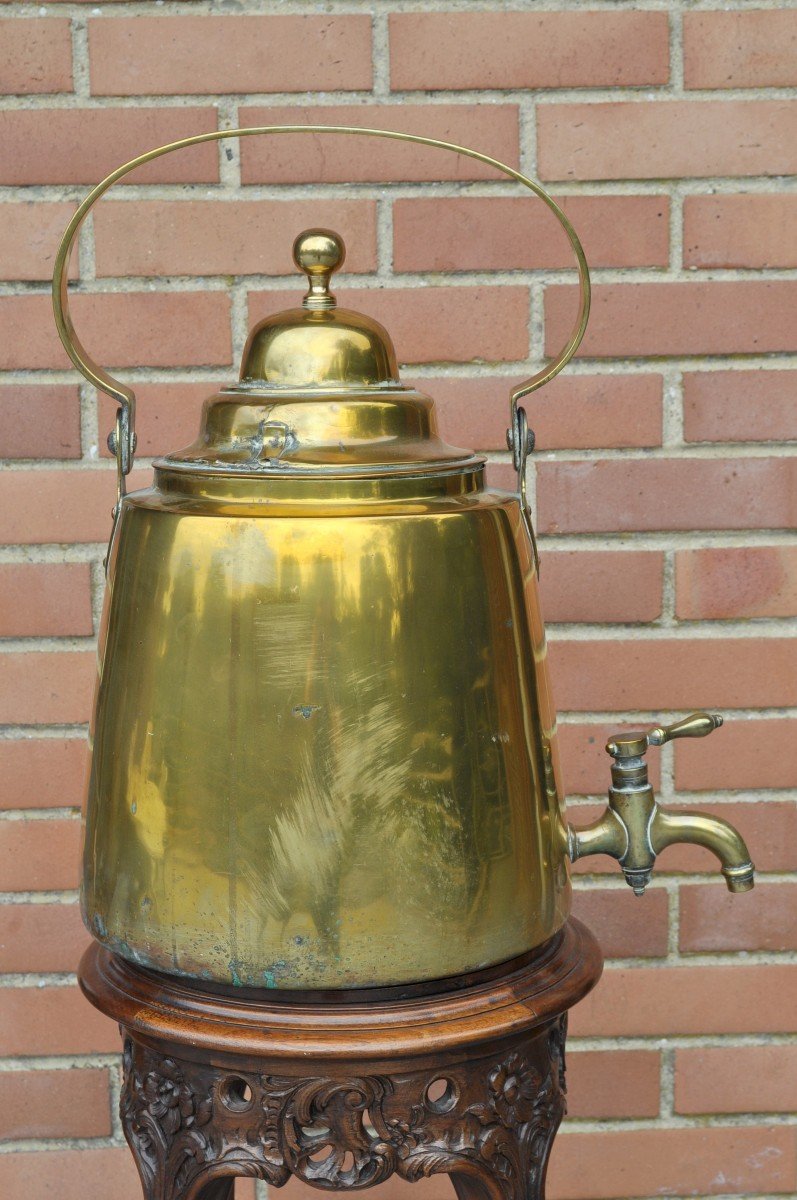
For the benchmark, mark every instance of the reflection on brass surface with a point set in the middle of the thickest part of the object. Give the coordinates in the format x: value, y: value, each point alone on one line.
x: 262, y: 431
x: 337, y: 766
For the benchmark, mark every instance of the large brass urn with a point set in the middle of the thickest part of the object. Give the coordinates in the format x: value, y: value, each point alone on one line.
x: 324, y: 747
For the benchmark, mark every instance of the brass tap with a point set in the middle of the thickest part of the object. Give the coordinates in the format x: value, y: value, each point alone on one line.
x: 635, y: 828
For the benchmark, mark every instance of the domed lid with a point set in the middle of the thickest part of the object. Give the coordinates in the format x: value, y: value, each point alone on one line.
x: 319, y: 344
x: 319, y: 393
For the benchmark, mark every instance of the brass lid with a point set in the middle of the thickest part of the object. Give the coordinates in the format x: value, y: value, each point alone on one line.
x: 319, y: 344
x: 319, y: 392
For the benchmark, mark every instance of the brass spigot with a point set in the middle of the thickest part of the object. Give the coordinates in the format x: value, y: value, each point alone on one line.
x: 635, y: 828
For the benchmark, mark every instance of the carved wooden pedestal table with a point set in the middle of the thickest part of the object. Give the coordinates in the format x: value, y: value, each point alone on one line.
x: 343, y: 1090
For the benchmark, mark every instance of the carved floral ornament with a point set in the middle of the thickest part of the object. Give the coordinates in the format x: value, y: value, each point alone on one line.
x: 491, y: 1118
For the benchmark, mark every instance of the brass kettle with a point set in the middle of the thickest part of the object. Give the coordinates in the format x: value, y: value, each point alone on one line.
x: 323, y: 743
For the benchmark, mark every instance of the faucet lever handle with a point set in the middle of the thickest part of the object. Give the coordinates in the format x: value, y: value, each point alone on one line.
x: 634, y: 745
x: 697, y: 724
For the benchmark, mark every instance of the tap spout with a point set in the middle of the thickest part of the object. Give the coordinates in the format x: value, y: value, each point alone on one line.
x: 700, y: 829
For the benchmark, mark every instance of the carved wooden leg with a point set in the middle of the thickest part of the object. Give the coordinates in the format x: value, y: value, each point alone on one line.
x: 487, y: 1120
x: 179, y: 1145
x: 523, y: 1103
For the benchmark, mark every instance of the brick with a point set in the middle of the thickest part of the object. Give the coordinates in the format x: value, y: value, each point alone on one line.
x: 29, y: 235
x: 657, y: 1001
x: 501, y: 475
x: 41, y: 937
x: 59, y: 506
x: 738, y: 581
x: 658, y: 493
x: 736, y: 1079
x: 46, y: 687
x: 52, y: 1104
x: 133, y: 329
x: 490, y: 128
x: 167, y: 416
x: 625, y: 926
x: 208, y: 237
x: 660, y: 674
x: 70, y: 1174
x: 42, y: 772
x: 607, y: 1085
x: 39, y: 421
x: 629, y: 319
x: 583, y: 586
x: 579, y: 412
x: 72, y: 145
x: 35, y: 55
x: 45, y: 599
x: 53, y: 1020
x: 740, y: 406
x: 671, y: 1162
x: 507, y: 233
x: 667, y: 139
x: 274, y: 53
x: 766, y: 920
x: 456, y: 324
x: 39, y: 855
x: 740, y: 231
x: 459, y: 50
x: 749, y: 754
x: 585, y: 763
x: 740, y: 49
x: 588, y: 412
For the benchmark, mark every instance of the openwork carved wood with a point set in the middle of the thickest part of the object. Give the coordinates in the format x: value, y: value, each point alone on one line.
x: 488, y: 1121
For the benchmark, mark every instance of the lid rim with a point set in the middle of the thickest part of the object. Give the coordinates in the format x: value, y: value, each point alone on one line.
x: 470, y: 463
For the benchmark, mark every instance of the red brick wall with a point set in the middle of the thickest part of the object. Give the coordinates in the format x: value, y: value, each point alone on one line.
x: 666, y: 478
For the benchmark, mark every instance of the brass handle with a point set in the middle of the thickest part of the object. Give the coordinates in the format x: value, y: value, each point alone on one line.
x: 123, y: 438
x: 630, y: 745
x: 699, y: 724
x: 634, y: 828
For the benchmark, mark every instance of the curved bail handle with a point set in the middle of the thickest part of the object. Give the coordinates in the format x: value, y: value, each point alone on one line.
x: 123, y: 439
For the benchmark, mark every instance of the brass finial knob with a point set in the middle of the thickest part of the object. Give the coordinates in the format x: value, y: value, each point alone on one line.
x: 319, y: 252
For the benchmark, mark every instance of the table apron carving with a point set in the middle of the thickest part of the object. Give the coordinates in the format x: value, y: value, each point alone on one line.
x: 487, y: 1121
